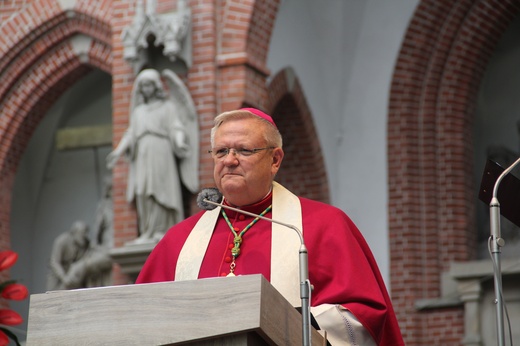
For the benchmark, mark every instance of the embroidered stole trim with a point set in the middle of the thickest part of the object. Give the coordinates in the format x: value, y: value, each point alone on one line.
x: 285, y: 245
x: 194, y: 249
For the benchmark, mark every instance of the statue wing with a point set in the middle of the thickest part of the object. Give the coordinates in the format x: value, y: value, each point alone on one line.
x: 135, y: 99
x: 185, y: 109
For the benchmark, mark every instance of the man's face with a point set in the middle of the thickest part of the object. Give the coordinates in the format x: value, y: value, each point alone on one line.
x: 80, y: 234
x: 244, y: 179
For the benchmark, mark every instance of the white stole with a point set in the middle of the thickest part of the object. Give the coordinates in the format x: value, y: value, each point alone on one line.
x: 285, y: 245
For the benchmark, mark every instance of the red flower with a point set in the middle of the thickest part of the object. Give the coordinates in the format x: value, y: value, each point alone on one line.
x: 10, y: 317
x: 15, y: 292
x: 7, y: 259
x: 4, y: 340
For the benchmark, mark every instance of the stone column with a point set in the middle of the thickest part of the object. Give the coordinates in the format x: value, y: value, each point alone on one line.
x: 471, y: 293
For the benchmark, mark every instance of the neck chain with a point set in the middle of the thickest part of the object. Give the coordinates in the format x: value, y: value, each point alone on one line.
x: 237, y: 241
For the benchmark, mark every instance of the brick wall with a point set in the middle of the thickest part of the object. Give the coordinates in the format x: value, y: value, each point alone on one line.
x: 430, y: 155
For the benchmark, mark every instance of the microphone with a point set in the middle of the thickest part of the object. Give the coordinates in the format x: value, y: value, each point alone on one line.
x: 496, y: 242
x: 208, y: 195
x: 209, y: 199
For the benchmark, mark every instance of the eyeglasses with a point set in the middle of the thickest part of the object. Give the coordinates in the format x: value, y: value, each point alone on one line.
x: 223, y: 152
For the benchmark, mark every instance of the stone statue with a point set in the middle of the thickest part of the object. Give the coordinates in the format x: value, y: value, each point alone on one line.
x: 162, y: 146
x: 69, y: 248
x: 98, y: 259
x: 103, y: 228
x: 75, y: 263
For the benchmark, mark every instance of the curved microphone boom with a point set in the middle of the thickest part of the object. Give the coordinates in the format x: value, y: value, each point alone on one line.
x: 210, y: 198
x: 496, y: 243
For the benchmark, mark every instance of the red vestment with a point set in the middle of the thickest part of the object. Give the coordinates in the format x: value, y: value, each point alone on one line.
x: 342, y: 268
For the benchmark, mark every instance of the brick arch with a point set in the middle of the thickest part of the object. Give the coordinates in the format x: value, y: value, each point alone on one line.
x: 35, y: 71
x: 245, y: 29
x: 45, y: 38
x: 303, y: 169
x: 430, y: 154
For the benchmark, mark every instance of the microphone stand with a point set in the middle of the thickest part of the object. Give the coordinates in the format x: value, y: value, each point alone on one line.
x: 496, y: 243
x: 305, y: 287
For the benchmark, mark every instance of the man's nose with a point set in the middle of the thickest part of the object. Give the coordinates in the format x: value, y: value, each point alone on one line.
x: 231, y: 157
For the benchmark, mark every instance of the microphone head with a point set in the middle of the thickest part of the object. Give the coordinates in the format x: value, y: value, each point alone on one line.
x: 211, y: 194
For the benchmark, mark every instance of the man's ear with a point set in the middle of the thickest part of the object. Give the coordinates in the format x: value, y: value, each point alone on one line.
x: 277, y: 159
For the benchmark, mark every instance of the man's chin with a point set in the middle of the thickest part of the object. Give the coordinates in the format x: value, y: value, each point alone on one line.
x: 231, y: 186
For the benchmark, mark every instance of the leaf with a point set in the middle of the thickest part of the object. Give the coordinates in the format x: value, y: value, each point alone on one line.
x: 4, y: 340
x: 7, y: 333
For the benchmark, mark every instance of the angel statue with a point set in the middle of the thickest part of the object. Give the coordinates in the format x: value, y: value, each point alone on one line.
x: 162, y: 146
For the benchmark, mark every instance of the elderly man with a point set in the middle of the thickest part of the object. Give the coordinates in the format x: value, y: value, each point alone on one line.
x: 349, y: 299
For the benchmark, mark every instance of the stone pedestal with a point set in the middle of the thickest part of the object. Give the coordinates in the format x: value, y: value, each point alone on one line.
x: 131, y: 257
x: 475, y: 287
x: 471, y: 284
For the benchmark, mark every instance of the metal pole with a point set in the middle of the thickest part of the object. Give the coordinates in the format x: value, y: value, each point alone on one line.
x: 496, y: 243
x: 305, y: 286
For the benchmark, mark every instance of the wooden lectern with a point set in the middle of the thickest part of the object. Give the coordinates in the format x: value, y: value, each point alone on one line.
x: 241, y: 310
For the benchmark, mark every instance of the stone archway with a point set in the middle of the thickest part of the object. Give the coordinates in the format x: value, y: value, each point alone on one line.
x: 53, y: 59
x: 303, y: 170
